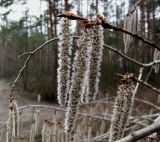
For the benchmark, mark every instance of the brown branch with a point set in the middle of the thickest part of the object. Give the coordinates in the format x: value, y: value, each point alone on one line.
x: 132, y: 77
x: 142, y: 133
x: 115, y: 28
x: 27, y: 61
x: 135, y: 6
x: 71, y: 16
x: 106, y: 25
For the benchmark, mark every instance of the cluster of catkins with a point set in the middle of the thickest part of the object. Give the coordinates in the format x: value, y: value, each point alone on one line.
x: 81, y: 83
x: 122, y: 109
x: 13, y: 121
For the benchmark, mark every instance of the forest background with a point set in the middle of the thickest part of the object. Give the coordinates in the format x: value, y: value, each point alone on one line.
x: 30, y: 31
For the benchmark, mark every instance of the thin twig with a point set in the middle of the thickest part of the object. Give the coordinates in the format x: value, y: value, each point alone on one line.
x: 115, y: 28
x: 130, y: 59
x: 64, y: 110
x: 148, y: 103
x: 133, y: 78
x: 27, y: 61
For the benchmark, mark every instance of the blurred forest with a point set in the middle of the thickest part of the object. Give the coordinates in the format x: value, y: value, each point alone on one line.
x: 17, y: 37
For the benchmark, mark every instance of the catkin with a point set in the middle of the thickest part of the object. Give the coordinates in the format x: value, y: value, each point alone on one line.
x: 17, y: 117
x: 13, y: 121
x: 77, y: 82
x: 63, y: 78
x: 94, y: 64
x: 122, y: 109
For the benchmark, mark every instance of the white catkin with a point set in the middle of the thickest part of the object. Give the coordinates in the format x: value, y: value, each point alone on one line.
x: 64, y: 49
x: 95, y: 63
x: 130, y: 23
x: 77, y: 82
x: 155, y: 58
x: 11, y: 126
x: 122, y: 109
x: 17, y: 118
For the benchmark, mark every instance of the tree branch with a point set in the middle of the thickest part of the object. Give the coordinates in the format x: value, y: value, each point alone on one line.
x: 27, y: 61
x: 137, y: 135
x: 130, y: 59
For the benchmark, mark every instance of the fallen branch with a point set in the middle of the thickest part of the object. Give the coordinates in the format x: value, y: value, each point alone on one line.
x: 142, y: 133
x: 64, y: 110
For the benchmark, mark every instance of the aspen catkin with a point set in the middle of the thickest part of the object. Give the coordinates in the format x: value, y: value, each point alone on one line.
x: 79, y: 69
x: 63, y: 77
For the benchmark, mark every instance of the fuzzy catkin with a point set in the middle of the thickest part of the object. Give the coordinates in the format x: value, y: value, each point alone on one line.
x: 63, y: 78
x: 11, y: 127
x: 13, y: 122
x: 17, y: 118
x: 78, y: 76
x: 122, y: 109
x: 95, y: 63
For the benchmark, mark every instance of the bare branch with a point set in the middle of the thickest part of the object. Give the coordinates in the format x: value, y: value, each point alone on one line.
x: 148, y: 103
x: 115, y: 28
x: 137, y: 135
x: 27, y: 61
x: 64, y: 110
x: 130, y: 59
x: 133, y: 78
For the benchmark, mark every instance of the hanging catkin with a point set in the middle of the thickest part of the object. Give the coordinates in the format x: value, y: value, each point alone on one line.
x: 94, y: 64
x: 130, y: 25
x: 122, y: 109
x: 13, y: 121
x: 78, y: 76
x: 63, y: 77
x: 155, y: 58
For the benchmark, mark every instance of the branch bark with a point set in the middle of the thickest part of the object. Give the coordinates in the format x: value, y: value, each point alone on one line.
x: 137, y: 135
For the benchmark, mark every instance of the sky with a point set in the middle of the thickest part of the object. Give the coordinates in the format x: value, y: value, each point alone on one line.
x: 36, y: 8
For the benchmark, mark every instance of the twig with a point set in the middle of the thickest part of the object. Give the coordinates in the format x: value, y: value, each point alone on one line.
x: 137, y: 135
x: 134, y: 7
x: 30, y: 54
x: 115, y: 28
x: 64, y: 110
x: 27, y: 61
x: 148, y: 103
x: 133, y: 78
x: 130, y: 59
x: 106, y: 25
x: 150, y: 71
